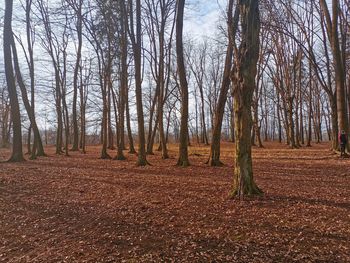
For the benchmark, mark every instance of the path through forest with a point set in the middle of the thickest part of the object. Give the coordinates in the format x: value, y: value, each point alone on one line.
x: 83, y: 209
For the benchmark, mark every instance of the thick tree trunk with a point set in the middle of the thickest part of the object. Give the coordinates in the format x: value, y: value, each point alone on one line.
x: 332, y: 29
x: 243, y: 182
x: 183, y: 151
x: 17, y: 152
x: 248, y: 54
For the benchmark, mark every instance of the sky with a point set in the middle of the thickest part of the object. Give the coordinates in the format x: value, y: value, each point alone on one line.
x: 201, y: 17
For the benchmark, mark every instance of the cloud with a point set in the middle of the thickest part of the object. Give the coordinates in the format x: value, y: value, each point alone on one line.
x: 201, y: 17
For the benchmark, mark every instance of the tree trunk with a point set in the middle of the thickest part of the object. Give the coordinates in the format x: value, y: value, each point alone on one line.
x: 38, y: 149
x: 136, y: 41
x: 128, y: 125
x: 104, y: 154
x: 123, y: 81
x: 244, y: 78
x: 332, y: 29
x: 214, y: 158
x: 83, y: 98
x: 279, y: 119
x: 110, y: 135
x: 291, y: 131
x: 17, y: 152
x: 75, y: 146
x: 183, y: 151
x: 29, y: 138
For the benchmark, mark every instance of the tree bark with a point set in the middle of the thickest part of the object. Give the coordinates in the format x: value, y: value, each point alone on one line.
x: 244, y: 78
x: 332, y: 30
x: 136, y: 43
x: 123, y: 81
x: 214, y: 158
x: 17, y: 152
x: 183, y: 150
x: 38, y: 149
x: 79, y: 25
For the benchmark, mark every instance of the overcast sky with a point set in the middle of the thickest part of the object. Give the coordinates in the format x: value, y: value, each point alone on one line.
x: 201, y: 16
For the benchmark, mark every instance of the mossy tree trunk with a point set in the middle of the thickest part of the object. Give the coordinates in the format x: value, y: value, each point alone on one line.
x: 244, y: 80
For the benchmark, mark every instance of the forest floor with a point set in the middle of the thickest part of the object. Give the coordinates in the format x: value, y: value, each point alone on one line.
x: 83, y: 209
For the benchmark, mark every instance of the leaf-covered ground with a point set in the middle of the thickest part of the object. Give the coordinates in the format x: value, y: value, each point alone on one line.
x: 83, y: 209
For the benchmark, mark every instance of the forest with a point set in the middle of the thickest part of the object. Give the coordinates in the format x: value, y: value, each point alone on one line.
x: 130, y: 134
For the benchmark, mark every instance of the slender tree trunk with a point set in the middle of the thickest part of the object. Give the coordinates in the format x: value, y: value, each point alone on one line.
x: 104, y: 154
x: 38, y: 149
x: 75, y: 146
x: 128, y: 126
x: 29, y: 138
x: 123, y: 81
x: 82, y: 115
x: 136, y: 42
x: 291, y: 131
x: 110, y: 135
x: 204, y: 136
x: 150, y: 137
x: 279, y: 119
x: 59, y: 135
x: 162, y: 141
x: 214, y: 158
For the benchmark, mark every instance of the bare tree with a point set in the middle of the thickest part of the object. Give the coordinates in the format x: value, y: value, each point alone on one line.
x: 123, y: 77
x: 332, y: 26
x: 232, y: 23
x: 76, y: 6
x: 136, y: 39
x: 183, y: 151
x: 17, y: 153
x: 244, y: 81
